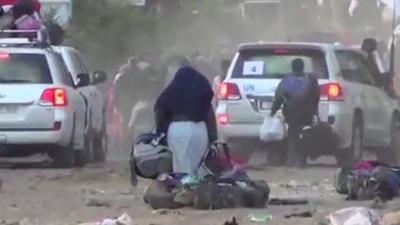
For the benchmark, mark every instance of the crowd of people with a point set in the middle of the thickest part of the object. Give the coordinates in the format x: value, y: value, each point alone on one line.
x: 142, y: 79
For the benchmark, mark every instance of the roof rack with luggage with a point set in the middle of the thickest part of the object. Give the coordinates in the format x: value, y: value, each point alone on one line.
x: 43, y: 38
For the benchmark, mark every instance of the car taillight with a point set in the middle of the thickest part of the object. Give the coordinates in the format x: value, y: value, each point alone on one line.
x: 228, y: 91
x: 54, y: 97
x: 332, y: 92
x: 223, y: 119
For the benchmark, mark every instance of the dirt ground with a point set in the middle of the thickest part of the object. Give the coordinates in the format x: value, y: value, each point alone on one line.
x: 34, y: 193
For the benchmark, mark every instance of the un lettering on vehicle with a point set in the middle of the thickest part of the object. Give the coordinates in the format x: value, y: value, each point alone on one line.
x: 249, y: 88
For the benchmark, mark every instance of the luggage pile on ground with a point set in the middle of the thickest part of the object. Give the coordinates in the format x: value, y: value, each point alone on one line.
x: 232, y: 190
x: 368, y: 180
x: 220, y: 185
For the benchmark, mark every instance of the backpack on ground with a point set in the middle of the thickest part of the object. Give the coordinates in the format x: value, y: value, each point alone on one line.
x: 150, y: 156
x: 368, y: 180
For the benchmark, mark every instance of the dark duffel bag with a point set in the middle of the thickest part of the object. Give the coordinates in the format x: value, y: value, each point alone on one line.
x: 160, y: 194
x: 213, y: 195
x: 255, y: 194
x: 318, y: 140
x: 222, y: 195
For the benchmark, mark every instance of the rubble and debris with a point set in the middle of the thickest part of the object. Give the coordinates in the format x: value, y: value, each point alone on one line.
x: 355, y: 216
x: 167, y: 212
x: 287, y: 201
x: 306, y: 214
x: 233, y: 222
x: 260, y: 218
x: 124, y: 219
x: 94, y: 202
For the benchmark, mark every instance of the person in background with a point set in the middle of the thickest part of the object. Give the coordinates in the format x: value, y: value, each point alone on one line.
x: 184, y: 112
x: 172, y: 65
x: 299, y: 94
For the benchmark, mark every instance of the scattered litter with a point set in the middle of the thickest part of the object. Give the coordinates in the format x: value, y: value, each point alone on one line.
x: 167, y: 212
x: 13, y: 207
x: 124, y: 219
x: 286, y: 201
x: 233, y: 222
x: 355, y: 216
x: 93, y: 202
x: 33, y: 188
x: 3, y: 222
x: 260, y: 218
x: 307, y: 214
x: 93, y: 191
x: 294, y: 184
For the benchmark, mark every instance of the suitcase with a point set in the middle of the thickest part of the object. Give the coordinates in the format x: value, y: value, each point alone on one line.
x: 150, y: 157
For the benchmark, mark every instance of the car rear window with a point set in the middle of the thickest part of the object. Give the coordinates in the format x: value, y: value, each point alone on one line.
x: 277, y: 63
x: 24, y: 68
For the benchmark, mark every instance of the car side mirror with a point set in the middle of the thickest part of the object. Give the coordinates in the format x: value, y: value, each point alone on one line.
x: 369, y: 45
x: 83, y: 80
x: 99, y: 77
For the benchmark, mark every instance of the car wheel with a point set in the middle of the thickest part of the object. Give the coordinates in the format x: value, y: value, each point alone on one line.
x: 63, y: 157
x: 100, y: 147
x: 277, y: 154
x: 82, y: 157
x: 347, y: 157
x: 390, y: 155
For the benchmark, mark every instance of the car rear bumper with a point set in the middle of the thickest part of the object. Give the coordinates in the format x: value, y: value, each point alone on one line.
x: 52, y: 137
x: 232, y: 132
x: 238, y: 131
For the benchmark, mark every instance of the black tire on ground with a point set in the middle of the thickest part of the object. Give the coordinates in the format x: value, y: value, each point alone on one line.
x: 346, y: 157
x: 390, y: 154
x: 81, y: 158
x: 277, y: 154
x: 100, y: 147
x: 63, y: 157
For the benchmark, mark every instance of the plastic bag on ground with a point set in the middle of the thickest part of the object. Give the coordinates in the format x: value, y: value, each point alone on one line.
x: 273, y: 129
x: 355, y: 216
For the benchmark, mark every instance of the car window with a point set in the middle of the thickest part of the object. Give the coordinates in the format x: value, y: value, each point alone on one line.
x: 81, y: 63
x: 24, y: 68
x: 354, y: 68
x: 77, y: 63
x: 66, y: 75
x: 277, y: 63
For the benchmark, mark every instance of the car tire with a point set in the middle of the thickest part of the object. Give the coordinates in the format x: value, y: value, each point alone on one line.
x: 100, y: 144
x: 82, y: 157
x: 390, y: 154
x: 347, y: 157
x: 63, y: 157
x: 277, y: 154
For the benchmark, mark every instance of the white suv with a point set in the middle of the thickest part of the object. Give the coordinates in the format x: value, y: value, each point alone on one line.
x: 41, y: 109
x: 362, y: 114
x: 96, y: 135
